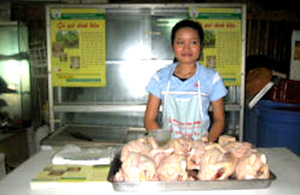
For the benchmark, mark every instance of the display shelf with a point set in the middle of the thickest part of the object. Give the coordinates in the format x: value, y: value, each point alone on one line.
x: 133, y: 53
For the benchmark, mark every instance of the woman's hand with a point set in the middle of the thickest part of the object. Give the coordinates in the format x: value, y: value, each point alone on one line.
x: 151, y: 113
x: 218, y: 120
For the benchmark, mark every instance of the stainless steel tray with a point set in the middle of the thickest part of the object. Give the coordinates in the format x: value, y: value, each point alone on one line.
x: 183, y: 185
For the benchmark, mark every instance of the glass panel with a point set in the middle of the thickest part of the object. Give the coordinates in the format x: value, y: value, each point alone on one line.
x: 10, y: 95
x: 9, y: 73
x: 23, y: 38
x: 14, y: 73
x: 138, y: 44
x: 126, y: 82
x: 25, y: 91
x: 113, y: 119
x: 234, y: 95
x: 127, y: 34
x: 9, y: 40
x: 232, y: 123
x: 162, y: 23
x: 119, y: 119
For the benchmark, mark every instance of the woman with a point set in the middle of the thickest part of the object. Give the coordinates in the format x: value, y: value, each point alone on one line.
x: 186, y: 89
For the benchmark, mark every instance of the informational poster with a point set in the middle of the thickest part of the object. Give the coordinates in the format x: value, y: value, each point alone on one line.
x: 222, y: 49
x: 77, y: 47
x: 295, y: 56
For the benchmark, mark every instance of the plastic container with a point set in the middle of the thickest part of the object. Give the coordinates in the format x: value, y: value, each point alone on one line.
x: 250, y: 126
x: 286, y: 91
x: 278, y: 125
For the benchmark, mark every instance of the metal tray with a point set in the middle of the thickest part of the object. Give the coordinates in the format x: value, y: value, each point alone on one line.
x: 183, y: 185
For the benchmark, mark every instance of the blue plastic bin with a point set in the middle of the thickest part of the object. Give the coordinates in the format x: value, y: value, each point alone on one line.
x: 250, y: 126
x: 278, y: 125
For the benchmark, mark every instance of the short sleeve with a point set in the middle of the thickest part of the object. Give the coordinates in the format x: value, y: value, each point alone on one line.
x: 218, y: 90
x: 153, y: 86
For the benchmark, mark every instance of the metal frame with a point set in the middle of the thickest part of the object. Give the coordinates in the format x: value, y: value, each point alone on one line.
x: 65, y: 107
x: 242, y: 86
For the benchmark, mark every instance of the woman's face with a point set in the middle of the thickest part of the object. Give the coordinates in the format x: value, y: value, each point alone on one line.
x: 186, y: 45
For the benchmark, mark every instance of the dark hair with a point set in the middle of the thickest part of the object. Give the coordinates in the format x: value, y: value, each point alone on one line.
x: 191, y: 24
x: 188, y: 23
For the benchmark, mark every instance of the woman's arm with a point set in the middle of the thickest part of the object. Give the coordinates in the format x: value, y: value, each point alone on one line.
x: 218, y: 120
x: 151, y: 113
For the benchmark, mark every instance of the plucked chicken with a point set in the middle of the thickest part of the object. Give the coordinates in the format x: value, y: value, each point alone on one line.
x: 216, y: 164
x: 173, y: 168
x: 183, y: 159
x: 252, y: 166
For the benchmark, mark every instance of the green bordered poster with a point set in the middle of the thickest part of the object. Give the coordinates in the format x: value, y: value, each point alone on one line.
x: 77, y: 47
x: 222, y: 41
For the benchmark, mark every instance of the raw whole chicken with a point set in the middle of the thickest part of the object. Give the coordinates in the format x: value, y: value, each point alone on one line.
x: 216, y: 164
x: 140, y: 159
x: 142, y: 145
x: 139, y: 146
x: 183, y: 159
x: 138, y: 167
x: 172, y: 168
x: 252, y: 166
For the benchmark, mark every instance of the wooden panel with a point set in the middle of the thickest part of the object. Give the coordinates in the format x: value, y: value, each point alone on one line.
x: 271, y: 39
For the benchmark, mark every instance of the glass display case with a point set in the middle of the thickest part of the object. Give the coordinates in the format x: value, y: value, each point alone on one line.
x: 137, y: 44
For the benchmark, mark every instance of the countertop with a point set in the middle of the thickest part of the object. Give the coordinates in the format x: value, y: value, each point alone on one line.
x: 283, y: 163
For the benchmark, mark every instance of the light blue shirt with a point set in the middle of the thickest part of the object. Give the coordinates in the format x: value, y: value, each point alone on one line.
x: 212, y: 86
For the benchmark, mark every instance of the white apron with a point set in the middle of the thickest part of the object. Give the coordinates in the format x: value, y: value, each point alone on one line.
x: 184, y: 116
